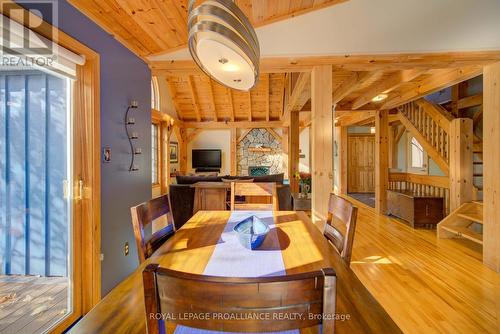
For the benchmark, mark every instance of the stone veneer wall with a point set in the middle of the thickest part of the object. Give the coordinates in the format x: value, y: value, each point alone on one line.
x: 271, y: 159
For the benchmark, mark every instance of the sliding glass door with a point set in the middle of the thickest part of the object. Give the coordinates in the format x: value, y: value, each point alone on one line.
x: 36, y: 224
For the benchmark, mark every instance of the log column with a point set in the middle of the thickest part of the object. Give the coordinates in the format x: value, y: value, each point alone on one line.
x: 321, y: 141
x: 491, y: 179
x: 381, y: 160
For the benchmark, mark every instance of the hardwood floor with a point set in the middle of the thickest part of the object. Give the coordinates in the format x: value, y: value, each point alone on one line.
x: 427, y: 285
x: 31, y: 304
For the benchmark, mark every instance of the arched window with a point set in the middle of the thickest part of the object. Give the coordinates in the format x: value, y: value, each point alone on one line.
x: 155, y: 94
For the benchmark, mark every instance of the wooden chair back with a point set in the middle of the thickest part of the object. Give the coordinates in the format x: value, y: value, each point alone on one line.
x: 340, y: 225
x: 259, y: 196
x: 145, y: 214
x: 257, y: 302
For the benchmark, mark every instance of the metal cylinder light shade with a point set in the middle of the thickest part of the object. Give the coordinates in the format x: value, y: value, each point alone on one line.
x: 223, y: 43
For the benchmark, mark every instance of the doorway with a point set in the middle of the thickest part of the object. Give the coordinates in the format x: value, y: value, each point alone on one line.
x: 361, y: 168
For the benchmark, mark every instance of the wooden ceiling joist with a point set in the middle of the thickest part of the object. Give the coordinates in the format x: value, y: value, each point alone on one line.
x: 231, y: 103
x: 173, y: 94
x: 470, y: 101
x: 355, y: 118
x: 386, y: 86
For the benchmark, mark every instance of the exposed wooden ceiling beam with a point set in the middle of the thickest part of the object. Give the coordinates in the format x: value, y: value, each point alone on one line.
x: 440, y: 80
x: 352, y: 83
x: 274, y: 134
x: 212, y: 99
x: 229, y: 125
x: 193, y: 97
x: 348, y: 62
x: 386, y: 86
x: 470, y: 101
x: 299, y: 96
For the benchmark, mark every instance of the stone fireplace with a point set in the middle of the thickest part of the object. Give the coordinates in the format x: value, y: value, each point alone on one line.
x: 259, y: 153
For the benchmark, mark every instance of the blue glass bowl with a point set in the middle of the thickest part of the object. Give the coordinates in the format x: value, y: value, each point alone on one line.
x: 252, y: 232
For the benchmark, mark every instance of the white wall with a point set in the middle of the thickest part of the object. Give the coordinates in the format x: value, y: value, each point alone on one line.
x: 213, y: 139
x: 304, y: 146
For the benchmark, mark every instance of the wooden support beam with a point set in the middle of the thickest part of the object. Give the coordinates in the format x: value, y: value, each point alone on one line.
x: 212, y: 99
x: 293, y: 150
x: 193, y: 97
x: 300, y: 95
x: 321, y: 141
x: 381, y: 160
x: 343, y: 158
x: 243, y: 134
x: 231, y: 124
x: 268, y: 90
x: 387, y: 86
x: 166, y: 158
x: 249, y: 101
x: 233, y: 161
x: 435, y: 60
x: 470, y: 101
x: 455, y: 96
x: 193, y: 134
x: 491, y: 138
x: 398, y: 133
x: 230, y: 102
x: 352, y: 83
x: 439, y: 80
x: 461, y: 182
x: 274, y: 134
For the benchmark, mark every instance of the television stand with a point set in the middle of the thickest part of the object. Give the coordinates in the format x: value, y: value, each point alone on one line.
x: 206, y: 170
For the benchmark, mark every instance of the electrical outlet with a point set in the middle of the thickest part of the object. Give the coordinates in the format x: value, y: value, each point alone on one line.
x: 126, y: 249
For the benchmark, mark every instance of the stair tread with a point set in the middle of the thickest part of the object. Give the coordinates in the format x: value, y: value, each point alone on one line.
x: 465, y: 233
x: 471, y: 211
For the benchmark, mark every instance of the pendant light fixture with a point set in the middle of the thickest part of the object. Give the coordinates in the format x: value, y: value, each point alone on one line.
x: 223, y: 43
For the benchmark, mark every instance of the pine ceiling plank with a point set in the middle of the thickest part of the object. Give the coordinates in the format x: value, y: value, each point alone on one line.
x: 249, y: 101
x: 268, y: 107
x: 231, y: 104
x: 173, y: 95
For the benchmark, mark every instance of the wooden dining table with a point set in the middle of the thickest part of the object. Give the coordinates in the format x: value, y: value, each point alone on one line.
x: 303, y: 249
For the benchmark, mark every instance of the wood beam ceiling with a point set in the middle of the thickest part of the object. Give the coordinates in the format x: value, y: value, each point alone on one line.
x: 193, y: 97
x: 156, y: 27
x: 232, y: 124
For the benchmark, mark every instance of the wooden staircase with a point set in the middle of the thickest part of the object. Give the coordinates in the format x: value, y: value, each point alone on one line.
x: 465, y: 222
x: 430, y: 125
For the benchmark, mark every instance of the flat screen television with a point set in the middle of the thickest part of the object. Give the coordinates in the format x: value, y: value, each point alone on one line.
x: 207, y: 159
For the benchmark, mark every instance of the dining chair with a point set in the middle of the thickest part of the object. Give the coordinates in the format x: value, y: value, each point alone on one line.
x: 258, y: 196
x: 154, y: 210
x: 340, y: 225
x: 260, y: 304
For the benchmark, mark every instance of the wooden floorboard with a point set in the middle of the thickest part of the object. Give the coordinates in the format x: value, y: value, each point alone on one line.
x: 31, y: 304
x: 427, y: 285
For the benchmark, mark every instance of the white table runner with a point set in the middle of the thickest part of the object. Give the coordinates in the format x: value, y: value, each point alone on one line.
x: 231, y: 259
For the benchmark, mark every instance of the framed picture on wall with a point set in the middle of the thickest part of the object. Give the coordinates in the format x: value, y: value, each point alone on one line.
x: 173, y: 152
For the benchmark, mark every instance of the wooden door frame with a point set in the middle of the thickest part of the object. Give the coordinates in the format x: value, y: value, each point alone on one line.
x: 348, y: 153
x: 86, y: 285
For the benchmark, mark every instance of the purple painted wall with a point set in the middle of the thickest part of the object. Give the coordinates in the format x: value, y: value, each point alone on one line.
x: 124, y: 77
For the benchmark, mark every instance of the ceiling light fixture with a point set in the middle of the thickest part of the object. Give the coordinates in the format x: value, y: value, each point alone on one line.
x: 379, y: 98
x: 223, y: 43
